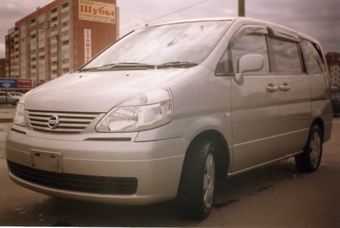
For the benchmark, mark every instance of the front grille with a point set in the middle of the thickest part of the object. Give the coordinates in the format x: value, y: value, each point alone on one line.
x: 72, y: 182
x: 60, y: 122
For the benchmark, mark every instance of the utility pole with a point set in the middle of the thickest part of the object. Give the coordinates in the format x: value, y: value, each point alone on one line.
x: 241, y: 8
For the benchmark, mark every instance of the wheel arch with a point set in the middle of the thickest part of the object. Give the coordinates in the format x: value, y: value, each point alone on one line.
x: 222, y: 156
x: 319, y: 122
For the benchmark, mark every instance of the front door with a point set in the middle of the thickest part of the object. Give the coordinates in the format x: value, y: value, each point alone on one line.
x: 255, y: 103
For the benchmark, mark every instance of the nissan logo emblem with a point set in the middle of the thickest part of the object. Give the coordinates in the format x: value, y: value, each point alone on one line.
x: 53, y: 122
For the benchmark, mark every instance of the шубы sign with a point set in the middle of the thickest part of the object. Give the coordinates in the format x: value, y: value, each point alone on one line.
x: 16, y: 84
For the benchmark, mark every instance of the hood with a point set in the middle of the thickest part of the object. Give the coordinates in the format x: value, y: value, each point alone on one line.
x: 95, y: 91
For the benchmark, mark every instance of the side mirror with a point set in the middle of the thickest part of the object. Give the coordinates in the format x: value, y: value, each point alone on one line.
x: 247, y: 63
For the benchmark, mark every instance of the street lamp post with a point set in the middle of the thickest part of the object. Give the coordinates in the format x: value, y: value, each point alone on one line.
x: 241, y: 8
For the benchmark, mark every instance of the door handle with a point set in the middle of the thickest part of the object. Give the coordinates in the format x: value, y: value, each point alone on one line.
x: 271, y: 88
x: 285, y: 87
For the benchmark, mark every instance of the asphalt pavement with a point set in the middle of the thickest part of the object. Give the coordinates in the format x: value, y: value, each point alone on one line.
x: 6, y: 113
x: 6, y: 119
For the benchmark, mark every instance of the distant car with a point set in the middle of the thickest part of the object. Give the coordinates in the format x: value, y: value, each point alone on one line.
x: 10, y: 99
x: 16, y: 94
x: 335, y: 100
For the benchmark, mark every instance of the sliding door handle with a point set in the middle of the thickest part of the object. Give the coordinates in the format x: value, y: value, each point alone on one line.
x: 271, y: 88
x: 285, y: 87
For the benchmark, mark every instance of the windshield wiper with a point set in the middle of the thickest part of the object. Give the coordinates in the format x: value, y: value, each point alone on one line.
x: 120, y: 65
x: 177, y: 64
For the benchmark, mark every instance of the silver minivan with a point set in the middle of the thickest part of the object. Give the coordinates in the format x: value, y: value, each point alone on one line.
x: 168, y: 109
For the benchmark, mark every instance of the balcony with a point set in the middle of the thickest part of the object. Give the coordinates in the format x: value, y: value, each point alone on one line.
x: 54, y: 24
x: 65, y: 48
x: 54, y: 75
x: 33, y: 23
x: 66, y: 28
x: 54, y: 14
x: 64, y: 19
x: 65, y: 37
x: 64, y: 10
x: 33, y: 32
x: 65, y: 65
x: 41, y: 44
x: 65, y: 55
x: 33, y: 55
x: 54, y: 50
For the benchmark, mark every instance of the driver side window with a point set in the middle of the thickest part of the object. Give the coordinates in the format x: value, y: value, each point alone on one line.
x: 247, y: 44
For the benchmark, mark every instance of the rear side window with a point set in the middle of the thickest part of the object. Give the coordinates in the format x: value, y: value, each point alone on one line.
x: 248, y: 44
x: 286, y: 56
x: 313, y: 61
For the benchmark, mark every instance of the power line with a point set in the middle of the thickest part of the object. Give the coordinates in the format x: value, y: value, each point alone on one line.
x: 168, y: 14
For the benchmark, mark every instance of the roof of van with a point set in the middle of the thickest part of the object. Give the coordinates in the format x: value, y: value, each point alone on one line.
x: 247, y: 20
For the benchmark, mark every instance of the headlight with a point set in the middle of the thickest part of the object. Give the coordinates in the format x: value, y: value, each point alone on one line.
x: 143, y: 112
x: 19, y: 116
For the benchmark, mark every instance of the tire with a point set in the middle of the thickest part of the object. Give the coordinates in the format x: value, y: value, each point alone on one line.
x: 196, y: 189
x: 309, y: 160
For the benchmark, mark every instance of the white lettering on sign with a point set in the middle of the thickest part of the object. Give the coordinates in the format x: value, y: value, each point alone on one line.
x: 87, y: 47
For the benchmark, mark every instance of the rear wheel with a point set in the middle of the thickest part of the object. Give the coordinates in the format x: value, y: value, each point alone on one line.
x: 196, y: 190
x: 309, y: 160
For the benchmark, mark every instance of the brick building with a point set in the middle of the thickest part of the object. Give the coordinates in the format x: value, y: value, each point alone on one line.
x: 59, y: 38
x: 2, y: 68
x: 333, y: 62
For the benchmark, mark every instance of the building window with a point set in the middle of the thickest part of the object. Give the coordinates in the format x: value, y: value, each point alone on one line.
x: 65, y: 5
x: 65, y: 24
x: 54, y: 10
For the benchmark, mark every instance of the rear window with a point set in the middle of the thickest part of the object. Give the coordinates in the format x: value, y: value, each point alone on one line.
x: 286, y: 56
x: 313, y: 61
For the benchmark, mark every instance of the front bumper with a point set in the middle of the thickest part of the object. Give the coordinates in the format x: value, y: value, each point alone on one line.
x: 155, y: 165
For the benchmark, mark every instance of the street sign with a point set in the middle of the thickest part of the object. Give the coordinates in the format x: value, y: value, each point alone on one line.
x: 16, y: 84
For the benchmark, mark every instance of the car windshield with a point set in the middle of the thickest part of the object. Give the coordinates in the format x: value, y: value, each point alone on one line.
x: 183, y: 44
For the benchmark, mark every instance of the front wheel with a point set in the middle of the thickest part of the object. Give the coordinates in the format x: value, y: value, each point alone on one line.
x: 309, y: 160
x: 196, y: 190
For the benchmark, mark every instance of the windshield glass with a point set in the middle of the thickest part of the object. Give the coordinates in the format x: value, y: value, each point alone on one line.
x: 173, y: 43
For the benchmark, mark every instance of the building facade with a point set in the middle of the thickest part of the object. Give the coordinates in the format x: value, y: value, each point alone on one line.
x: 59, y: 38
x: 333, y: 62
x: 2, y: 68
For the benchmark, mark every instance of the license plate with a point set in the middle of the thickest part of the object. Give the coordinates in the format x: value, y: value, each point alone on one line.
x: 47, y: 161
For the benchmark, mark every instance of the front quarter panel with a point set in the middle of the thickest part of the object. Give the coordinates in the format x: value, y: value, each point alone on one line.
x: 201, y: 102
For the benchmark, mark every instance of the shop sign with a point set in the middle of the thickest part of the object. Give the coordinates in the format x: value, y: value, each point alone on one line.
x: 97, y: 11
x: 16, y: 84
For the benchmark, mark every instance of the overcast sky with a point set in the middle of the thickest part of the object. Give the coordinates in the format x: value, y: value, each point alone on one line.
x: 317, y: 18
